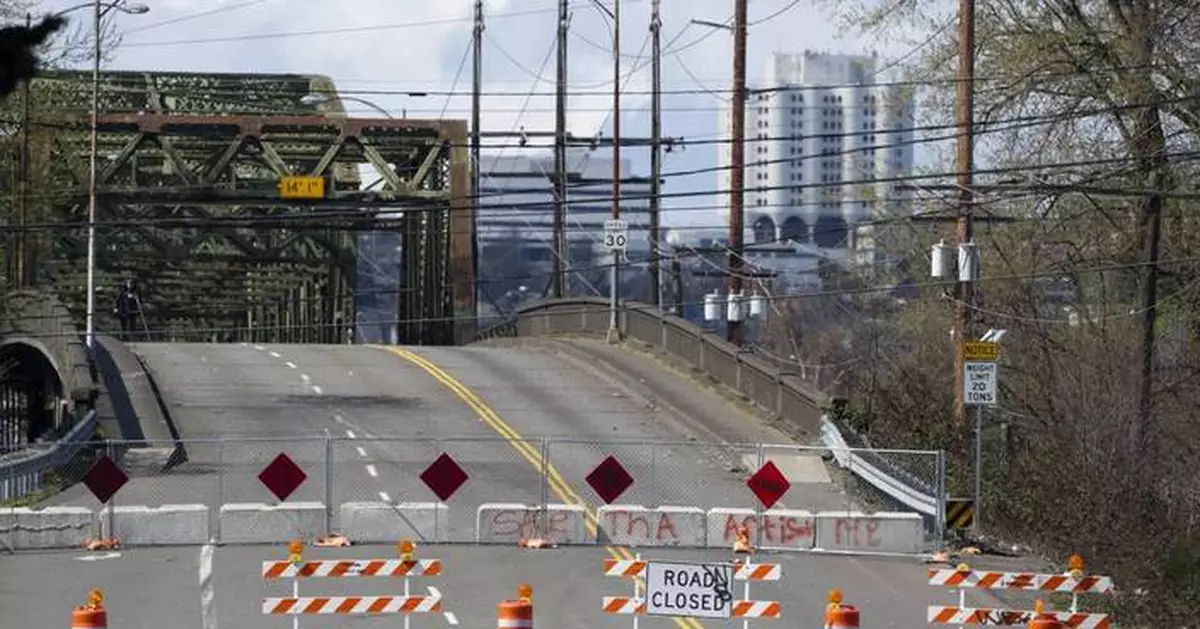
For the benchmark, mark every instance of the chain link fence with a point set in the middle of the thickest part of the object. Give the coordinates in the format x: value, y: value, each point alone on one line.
x: 463, y: 490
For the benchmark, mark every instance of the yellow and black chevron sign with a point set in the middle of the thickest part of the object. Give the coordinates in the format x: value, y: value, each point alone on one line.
x: 960, y: 513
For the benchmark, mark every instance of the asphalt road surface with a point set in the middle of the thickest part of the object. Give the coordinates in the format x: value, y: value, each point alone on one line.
x: 433, y: 400
x: 390, y: 412
x: 154, y: 588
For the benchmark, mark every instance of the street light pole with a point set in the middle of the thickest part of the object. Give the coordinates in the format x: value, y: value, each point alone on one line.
x: 98, y: 11
x: 95, y: 131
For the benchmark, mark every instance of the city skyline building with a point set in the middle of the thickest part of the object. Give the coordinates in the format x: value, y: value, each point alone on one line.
x: 826, y: 140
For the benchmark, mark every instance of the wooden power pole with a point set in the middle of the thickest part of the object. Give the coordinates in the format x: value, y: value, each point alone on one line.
x: 655, y: 151
x: 476, y: 128
x: 964, y: 167
x: 737, y: 175
x: 560, y: 153
x: 614, y: 333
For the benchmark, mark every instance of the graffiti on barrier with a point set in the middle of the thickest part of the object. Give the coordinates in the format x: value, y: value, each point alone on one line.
x: 856, y: 532
x: 777, y: 530
x: 527, y: 523
x: 640, y: 526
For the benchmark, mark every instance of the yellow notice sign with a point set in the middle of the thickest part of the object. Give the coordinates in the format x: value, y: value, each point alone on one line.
x: 302, y: 187
x: 979, y: 350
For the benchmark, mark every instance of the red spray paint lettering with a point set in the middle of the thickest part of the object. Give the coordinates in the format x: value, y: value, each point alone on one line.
x: 621, y: 522
x: 856, y: 532
x: 777, y: 530
x: 527, y: 523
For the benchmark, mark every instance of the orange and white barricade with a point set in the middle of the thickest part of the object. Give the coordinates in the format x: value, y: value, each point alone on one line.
x: 92, y: 615
x: 406, y: 567
x: 639, y: 603
x: 1074, y: 582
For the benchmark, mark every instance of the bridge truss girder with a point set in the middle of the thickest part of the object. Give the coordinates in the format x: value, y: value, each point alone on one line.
x: 189, y: 204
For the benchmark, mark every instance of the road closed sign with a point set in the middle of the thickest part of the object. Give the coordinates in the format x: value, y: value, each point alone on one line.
x: 688, y: 589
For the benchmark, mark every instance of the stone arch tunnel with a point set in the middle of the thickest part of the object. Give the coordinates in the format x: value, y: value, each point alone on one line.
x: 46, y: 380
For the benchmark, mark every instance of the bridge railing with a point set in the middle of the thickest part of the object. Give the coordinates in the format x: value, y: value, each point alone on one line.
x: 23, y: 473
x: 790, y: 393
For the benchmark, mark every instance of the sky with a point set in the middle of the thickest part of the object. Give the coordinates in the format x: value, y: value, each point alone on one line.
x: 381, y: 49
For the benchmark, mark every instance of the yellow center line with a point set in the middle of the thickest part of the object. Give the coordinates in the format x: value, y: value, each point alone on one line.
x: 557, y: 483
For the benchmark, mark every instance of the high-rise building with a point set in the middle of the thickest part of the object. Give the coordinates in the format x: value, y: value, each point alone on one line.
x: 825, y: 142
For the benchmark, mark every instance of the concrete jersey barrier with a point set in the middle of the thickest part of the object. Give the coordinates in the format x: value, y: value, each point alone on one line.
x: 496, y: 523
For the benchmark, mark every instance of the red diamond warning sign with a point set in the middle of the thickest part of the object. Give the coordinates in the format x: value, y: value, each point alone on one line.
x: 443, y: 477
x: 609, y: 479
x: 105, y: 478
x: 768, y: 484
x: 282, y: 476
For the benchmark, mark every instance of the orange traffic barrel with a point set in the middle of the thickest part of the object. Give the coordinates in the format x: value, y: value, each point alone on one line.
x: 839, y: 616
x: 92, y: 615
x: 516, y: 614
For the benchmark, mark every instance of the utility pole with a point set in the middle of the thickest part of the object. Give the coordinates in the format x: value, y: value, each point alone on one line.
x: 22, y: 260
x: 614, y: 333
x: 737, y: 176
x: 655, y: 150
x: 560, y: 152
x: 476, y: 129
x: 964, y: 167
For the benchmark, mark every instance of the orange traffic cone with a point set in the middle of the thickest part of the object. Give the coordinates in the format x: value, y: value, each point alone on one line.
x: 839, y: 616
x: 516, y: 614
x: 741, y: 540
x: 1042, y: 620
x: 92, y: 615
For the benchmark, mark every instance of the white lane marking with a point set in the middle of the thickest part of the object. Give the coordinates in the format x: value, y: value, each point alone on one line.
x: 361, y: 451
x: 259, y: 347
x: 339, y: 419
x: 244, y: 344
x: 451, y: 619
x: 372, y: 471
x: 350, y: 433
x: 208, y: 611
x: 317, y: 389
x: 275, y: 355
x: 434, y: 592
x: 305, y: 377
x: 108, y: 555
x: 291, y: 364
x: 383, y: 495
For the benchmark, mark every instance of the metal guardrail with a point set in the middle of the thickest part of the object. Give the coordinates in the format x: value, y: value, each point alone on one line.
x: 902, y: 492
x: 790, y: 396
x: 21, y: 472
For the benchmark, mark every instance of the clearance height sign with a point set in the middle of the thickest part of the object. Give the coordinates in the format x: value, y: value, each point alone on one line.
x: 688, y: 589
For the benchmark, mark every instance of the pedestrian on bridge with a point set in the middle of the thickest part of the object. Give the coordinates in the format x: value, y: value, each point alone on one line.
x: 128, y: 308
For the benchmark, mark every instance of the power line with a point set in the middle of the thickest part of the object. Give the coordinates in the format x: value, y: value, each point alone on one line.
x: 136, y: 81
x: 341, y: 30
x: 402, y: 206
x: 840, y: 292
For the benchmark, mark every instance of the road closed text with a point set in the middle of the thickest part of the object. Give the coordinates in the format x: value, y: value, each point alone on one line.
x: 701, y: 591
x: 687, y: 602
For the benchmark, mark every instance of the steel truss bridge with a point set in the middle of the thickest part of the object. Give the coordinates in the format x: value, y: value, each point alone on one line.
x: 189, y: 204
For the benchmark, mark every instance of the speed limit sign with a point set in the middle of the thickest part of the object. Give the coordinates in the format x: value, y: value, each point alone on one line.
x: 616, y: 234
